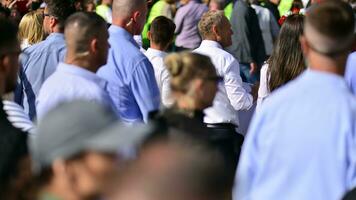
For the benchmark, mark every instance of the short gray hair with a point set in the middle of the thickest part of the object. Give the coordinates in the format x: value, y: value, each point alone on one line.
x: 208, y: 20
x: 124, y: 8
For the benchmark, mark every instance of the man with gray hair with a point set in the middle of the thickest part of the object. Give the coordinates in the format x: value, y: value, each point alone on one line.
x: 87, y: 49
x: 132, y: 84
x: 302, y: 144
x: 215, y: 30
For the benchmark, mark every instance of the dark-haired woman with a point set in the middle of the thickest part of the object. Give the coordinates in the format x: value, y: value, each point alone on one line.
x: 286, y: 61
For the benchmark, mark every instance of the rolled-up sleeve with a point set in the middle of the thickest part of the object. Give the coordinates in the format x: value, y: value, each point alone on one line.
x: 239, y: 98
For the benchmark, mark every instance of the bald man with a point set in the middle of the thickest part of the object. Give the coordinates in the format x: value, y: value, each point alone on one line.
x: 87, y: 49
x: 132, y: 84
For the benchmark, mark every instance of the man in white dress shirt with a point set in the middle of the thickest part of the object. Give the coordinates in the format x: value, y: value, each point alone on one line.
x: 161, y: 35
x: 231, y: 97
x: 87, y: 49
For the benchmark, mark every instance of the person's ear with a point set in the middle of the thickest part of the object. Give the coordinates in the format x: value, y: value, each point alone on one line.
x: 136, y: 16
x: 94, y: 46
x: 52, y: 23
x: 216, y: 32
x: 149, y: 35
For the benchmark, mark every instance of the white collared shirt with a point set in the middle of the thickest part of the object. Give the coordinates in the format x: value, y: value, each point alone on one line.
x: 68, y: 83
x: 156, y: 57
x: 231, y: 96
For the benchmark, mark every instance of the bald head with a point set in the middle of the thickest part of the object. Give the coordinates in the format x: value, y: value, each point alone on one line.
x: 329, y: 27
x: 80, y: 29
x: 125, y: 8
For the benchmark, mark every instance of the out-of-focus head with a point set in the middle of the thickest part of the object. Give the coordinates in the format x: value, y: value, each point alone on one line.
x: 287, y: 60
x: 31, y: 28
x: 9, y: 55
x: 162, y: 31
x: 215, y: 26
x: 326, y: 33
x: 217, y: 4
x: 176, y: 168
x: 81, y: 141
x: 55, y: 14
x: 132, y: 13
x: 193, y: 78
x: 87, y: 38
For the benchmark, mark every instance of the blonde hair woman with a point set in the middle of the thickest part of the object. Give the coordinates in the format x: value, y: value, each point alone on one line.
x: 31, y: 29
x: 193, y: 80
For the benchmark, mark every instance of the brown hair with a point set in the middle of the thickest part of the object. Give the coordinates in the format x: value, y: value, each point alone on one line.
x: 185, y: 67
x: 287, y: 60
x: 162, y: 30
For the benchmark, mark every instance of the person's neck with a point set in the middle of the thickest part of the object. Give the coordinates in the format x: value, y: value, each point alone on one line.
x: 158, y: 47
x: 187, y: 103
x: 123, y: 24
x: 84, y: 63
x: 331, y: 65
x: 57, y: 192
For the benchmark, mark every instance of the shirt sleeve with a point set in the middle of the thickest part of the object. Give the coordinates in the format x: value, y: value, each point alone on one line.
x: 166, y: 91
x: 239, y: 98
x: 178, y: 20
x: 144, y: 88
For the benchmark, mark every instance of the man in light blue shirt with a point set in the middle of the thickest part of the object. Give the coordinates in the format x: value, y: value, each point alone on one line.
x: 132, y: 85
x: 350, y: 73
x: 39, y: 61
x: 302, y: 145
x: 87, y: 49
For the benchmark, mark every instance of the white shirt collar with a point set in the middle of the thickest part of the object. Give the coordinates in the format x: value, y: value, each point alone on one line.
x: 78, y: 71
x: 155, y: 52
x: 210, y: 43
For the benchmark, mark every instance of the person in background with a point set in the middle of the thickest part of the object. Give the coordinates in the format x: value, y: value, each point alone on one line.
x: 87, y: 50
x: 231, y: 97
x: 39, y: 61
x: 14, y: 181
x: 79, y: 149
x: 217, y: 4
x: 175, y: 168
x: 287, y: 60
x: 272, y: 6
x: 105, y: 10
x: 350, y: 73
x: 165, y: 8
x: 130, y: 75
x: 89, y: 6
x: 303, y: 139
x: 31, y: 29
x: 268, y: 25
x: 161, y: 35
x: 247, y: 46
x: 186, y: 20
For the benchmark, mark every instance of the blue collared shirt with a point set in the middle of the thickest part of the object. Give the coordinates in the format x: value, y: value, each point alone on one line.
x: 37, y: 63
x: 302, y: 143
x: 132, y: 85
x: 68, y: 83
x: 350, y: 73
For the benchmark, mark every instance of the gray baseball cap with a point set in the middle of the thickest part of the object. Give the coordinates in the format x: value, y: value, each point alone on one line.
x: 78, y: 126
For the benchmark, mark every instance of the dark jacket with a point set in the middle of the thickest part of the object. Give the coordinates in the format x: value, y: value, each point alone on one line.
x: 247, y: 39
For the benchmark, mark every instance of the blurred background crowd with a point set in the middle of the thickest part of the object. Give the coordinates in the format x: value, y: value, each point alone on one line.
x: 177, y: 99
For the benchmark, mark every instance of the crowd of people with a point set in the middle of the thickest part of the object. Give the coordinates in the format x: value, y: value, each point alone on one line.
x: 177, y: 99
